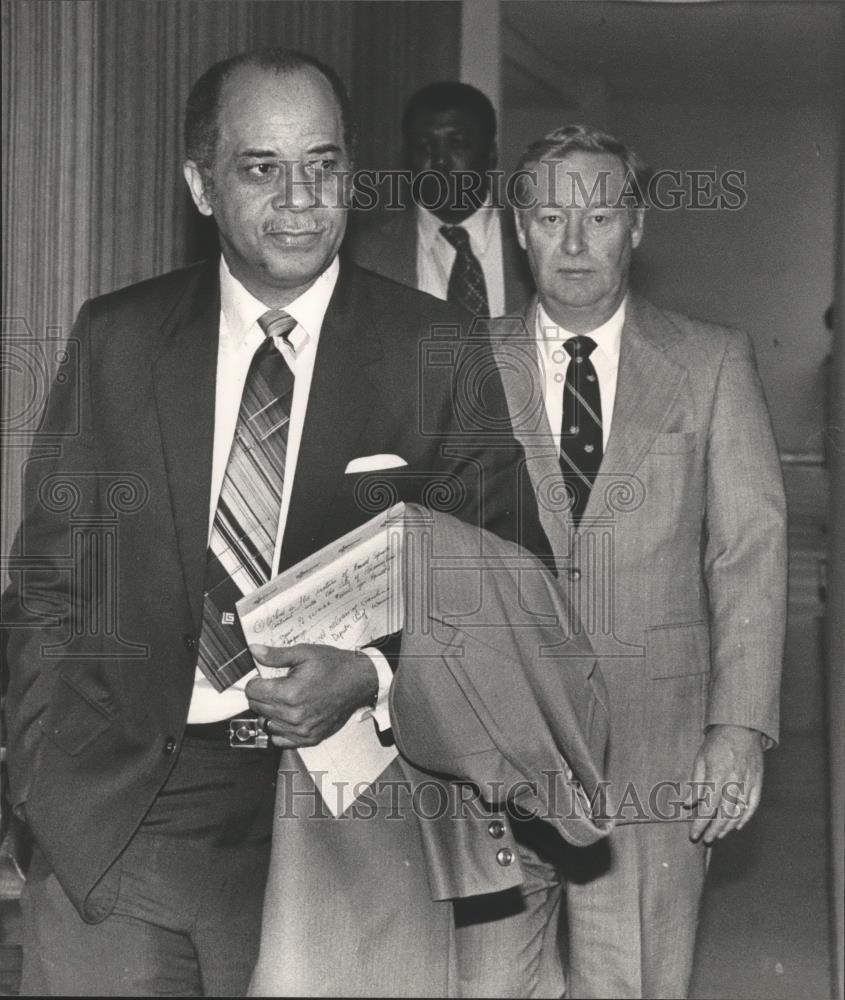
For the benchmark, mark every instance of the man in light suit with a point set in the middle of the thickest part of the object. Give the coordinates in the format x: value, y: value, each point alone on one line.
x: 454, y: 243
x: 651, y: 451
x: 226, y: 415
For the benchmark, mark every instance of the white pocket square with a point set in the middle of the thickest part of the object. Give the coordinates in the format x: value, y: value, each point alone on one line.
x: 374, y: 463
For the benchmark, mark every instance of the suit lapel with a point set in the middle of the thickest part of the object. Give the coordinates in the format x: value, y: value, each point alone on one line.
x: 336, y: 413
x: 406, y: 249
x: 516, y: 352
x: 518, y: 283
x: 184, y: 376
x: 397, y: 255
x: 647, y: 385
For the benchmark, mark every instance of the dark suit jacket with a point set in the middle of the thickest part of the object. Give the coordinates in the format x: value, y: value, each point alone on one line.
x: 390, y: 248
x: 103, y: 644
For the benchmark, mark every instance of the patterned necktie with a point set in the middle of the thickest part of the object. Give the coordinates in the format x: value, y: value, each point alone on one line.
x: 580, y: 432
x: 466, y: 282
x: 243, y: 536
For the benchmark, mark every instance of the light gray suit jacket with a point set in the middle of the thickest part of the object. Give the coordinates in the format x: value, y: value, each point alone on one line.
x: 678, y: 571
x: 504, y: 700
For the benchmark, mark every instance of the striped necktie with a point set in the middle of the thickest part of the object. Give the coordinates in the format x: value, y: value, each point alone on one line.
x: 466, y: 282
x: 581, y: 430
x: 243, y: 536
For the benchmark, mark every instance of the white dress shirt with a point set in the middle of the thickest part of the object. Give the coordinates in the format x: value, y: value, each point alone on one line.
x: 436, y: 255
x: 554, y: 361
x: 240, y: 337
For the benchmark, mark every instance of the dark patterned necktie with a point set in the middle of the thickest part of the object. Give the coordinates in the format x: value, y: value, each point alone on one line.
x: 466, y: 282
x: 243, y: 536
x: 580, y: 431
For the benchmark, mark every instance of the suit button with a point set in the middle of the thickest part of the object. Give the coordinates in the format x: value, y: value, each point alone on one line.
x: 504, y: 857
x: 496, y: 829
x: 170, y: 745
x: 190, y: 643
x: 575, y: 573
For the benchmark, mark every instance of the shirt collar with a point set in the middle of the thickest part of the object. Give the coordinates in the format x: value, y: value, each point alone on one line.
x: 608, y: 336
x: 241, y: 309
x: 480, y: 225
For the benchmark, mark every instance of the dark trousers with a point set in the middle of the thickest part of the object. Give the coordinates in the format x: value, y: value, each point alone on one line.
x: 187, y: 918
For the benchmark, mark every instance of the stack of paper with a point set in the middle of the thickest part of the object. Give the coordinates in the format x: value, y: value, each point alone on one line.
x: 347, y: 595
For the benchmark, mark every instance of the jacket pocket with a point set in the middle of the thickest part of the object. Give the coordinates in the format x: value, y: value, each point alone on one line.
x: 74, y: 719
x: 673, y: 444
x: 678, y: 650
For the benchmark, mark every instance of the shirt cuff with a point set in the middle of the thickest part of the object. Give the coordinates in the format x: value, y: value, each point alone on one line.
x: 380, y: 712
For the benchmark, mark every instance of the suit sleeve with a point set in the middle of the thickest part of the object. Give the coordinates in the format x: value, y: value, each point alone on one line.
x: 481, y: 474
x: 39, y: 601
x: 745, y: 550
x: 486, y: 456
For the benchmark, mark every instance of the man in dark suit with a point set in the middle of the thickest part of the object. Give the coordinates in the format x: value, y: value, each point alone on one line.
x: 228, y: 415
x: 455, y: 242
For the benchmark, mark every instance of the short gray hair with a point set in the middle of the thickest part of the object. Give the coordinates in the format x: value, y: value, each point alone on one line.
x: 560, y: 142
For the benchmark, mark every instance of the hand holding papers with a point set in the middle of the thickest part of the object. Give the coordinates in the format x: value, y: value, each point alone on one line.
x: 346, y: 595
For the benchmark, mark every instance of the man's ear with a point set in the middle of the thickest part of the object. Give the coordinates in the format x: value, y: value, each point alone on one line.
x: 637, y: 226
x: 197, y: 187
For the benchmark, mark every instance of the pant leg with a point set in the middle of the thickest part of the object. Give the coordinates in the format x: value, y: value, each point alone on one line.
x: 632, y: 911
x: 186, y: 920
x: 227, y: 931
x: 122, y: 956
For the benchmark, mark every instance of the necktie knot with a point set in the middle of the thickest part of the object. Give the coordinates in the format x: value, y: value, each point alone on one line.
x: 579, y: 347
x: 457, y: 236
x: 276, y: 323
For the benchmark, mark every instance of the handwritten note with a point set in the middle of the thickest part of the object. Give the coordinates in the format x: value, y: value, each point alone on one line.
x: 347, y: 595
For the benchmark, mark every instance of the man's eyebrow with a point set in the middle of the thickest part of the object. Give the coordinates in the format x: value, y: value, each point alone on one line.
x: 256, y: 153
x: 324, y: 147
x: 317, y: 150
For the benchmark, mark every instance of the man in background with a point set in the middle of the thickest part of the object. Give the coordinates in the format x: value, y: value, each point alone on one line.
x: 454, y: 243
x: 671, y: 544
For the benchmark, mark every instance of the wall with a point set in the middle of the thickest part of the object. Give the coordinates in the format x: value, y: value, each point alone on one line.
x: 835, y: 619
x: 768, y: 267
